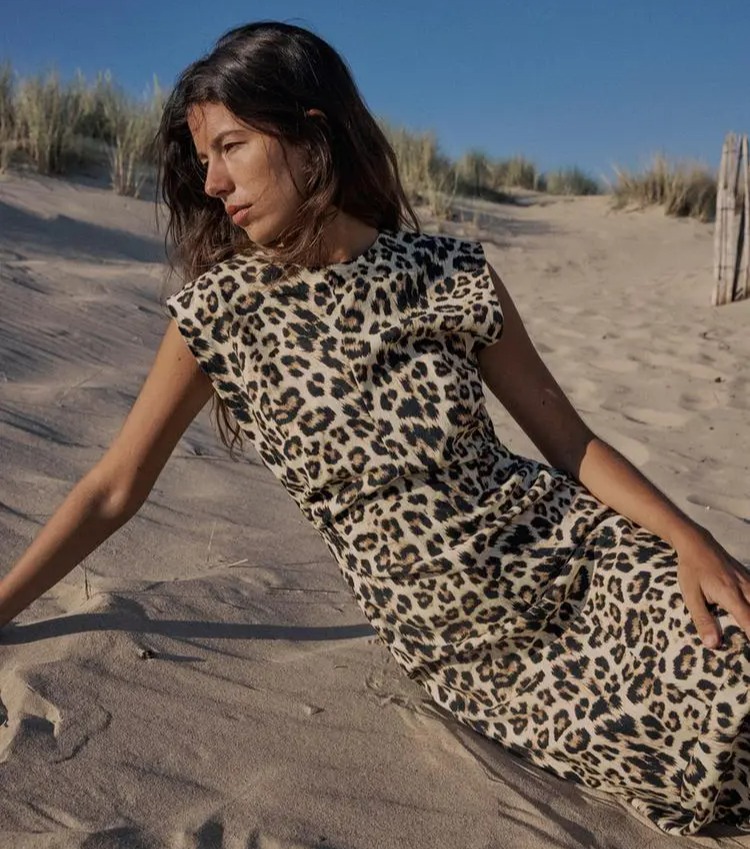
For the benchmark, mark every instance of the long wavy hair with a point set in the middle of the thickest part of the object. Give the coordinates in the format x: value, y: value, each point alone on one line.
x: 268, y: 73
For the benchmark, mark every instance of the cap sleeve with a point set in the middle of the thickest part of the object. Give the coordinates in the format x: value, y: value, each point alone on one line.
x: 195, y: 309
x: 464, y: 294
x: 204, y: 318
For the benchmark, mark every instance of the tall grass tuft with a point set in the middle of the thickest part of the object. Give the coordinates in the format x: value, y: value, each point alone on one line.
x: 682, y: 189
x: 480, y: 175
x: 47, y: 113
x: 570, y: 181
x: 132, y: 127
x: 515, y: 172
x: 8, y: 123
x: 95, y: 122
x: 474, y: 173
x: 441, y: 192
x: 426, y: 174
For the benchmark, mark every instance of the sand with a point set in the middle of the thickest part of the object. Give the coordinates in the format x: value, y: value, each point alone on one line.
x: 269, y: 715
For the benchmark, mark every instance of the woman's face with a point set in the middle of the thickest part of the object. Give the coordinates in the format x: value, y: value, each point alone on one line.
x: 246, y: 168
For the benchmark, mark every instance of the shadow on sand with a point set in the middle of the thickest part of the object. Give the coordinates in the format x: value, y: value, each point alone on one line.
x: 65, y: 237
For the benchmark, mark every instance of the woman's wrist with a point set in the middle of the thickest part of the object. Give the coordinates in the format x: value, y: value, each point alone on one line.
x: 689, y: 533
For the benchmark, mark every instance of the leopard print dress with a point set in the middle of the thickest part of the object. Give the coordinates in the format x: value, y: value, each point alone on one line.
x: 535, y: 614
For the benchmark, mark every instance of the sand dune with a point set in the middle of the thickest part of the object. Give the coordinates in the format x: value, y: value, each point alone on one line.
x: 218, y: 686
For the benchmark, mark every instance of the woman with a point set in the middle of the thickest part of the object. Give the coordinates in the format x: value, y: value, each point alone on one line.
x: 561, y: 609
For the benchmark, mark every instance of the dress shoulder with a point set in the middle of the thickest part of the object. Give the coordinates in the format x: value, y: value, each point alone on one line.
x: 460, y: 288
x: 205, y: 310
x: 198, y: 308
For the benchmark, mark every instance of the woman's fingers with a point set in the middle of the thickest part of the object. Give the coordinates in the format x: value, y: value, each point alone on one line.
x: 738, y: 595
x: 743, y: 579
x: 731, y: 597
x: 739, y: 606
x: 708, y: 628
x: 709, y: 575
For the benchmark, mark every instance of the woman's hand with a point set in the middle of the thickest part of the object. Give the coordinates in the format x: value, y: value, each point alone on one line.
x: 709, y: 574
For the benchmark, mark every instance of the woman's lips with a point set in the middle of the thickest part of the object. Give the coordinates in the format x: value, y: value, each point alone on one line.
x: 239, y: 215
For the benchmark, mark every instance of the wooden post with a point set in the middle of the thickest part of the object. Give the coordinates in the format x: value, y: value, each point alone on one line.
x: 721, y: 191
x: 726, y: 232
x: 743, y: 278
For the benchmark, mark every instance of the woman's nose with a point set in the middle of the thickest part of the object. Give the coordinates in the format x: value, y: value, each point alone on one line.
x: 217, y: 180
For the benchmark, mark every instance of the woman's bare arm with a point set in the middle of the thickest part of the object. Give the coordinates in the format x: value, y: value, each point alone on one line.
x: 519, y: 379
x: 174, y: 392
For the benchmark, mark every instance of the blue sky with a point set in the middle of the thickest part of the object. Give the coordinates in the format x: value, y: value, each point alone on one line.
x: 565, y: 82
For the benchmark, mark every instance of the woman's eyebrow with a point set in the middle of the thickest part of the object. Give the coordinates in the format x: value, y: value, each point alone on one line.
x: 216, y: 142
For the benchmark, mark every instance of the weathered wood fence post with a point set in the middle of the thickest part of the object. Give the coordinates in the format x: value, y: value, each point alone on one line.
x: 732, y: 233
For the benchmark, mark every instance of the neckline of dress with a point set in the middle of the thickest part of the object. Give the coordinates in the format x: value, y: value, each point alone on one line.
x: 368, y: 254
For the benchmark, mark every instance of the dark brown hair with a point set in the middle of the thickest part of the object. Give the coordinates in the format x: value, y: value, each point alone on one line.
x: 267, y: 73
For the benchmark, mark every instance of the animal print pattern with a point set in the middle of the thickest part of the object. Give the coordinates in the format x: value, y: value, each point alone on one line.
x: 531, y: 611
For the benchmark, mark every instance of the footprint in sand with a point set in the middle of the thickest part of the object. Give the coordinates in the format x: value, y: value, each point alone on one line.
x: 26, y: 710
x: 655, y: 418
x: 684, y: 363
x: 702, y: 399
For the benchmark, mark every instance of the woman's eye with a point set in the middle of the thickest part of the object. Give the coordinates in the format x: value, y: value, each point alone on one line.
x: 229, y: 145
